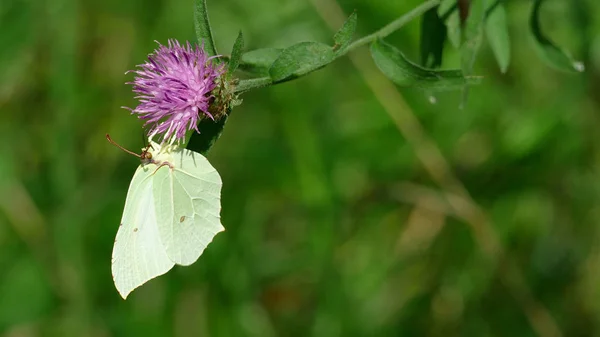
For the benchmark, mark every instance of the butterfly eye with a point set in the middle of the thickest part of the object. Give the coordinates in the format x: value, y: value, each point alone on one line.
x: 146, y: 155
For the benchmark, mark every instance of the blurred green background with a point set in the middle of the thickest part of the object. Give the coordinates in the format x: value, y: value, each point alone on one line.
x: 335, y: 227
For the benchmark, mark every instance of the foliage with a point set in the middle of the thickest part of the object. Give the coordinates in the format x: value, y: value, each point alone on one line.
x: 335, y: 223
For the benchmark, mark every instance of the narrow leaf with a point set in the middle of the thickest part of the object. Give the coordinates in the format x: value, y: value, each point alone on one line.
x: 236, y: 53
x: 406, y: 73
x: 300, y: 59
x: 433, y: 36
x: 445, y: 7
x: 202, y: 25
x: 343, y: 36
x: 448, y: 12
x: 549, y: 52
x: 259, y: 61
x: 473, y: 36
x: 496, y: 30
x: 211, y: 131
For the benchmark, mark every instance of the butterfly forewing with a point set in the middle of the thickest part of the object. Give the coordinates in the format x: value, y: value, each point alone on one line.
x: 138, y: 253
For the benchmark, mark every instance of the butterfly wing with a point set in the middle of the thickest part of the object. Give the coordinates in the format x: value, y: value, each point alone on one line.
x: 188, y: 202
x: 138, y: 254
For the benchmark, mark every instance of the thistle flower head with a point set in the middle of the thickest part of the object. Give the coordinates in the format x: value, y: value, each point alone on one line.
x: 173, y: 88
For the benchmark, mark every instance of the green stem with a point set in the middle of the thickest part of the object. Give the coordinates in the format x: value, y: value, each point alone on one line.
x: 253, y: 83
x: 202, y: 142
x: 393, y: 26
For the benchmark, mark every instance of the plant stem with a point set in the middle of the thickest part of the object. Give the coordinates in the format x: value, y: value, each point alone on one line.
x: 393, y: 26
x: 253, y: 83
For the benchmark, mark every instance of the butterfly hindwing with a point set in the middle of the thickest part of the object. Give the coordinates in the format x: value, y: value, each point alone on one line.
x: 188, y: 205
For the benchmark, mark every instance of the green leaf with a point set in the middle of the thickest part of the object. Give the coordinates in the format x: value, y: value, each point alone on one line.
x: 496, y: 30
x: 549, y: 52
x: 406, y: 73
x: 343, y: 36
x: 473, y: 36
x: 300, y: 59
x: 202, y: 25
x: 448, y: 12
x: 259, y: 61
x: 210, y: 132
x: 446, y: 7
x: 433, y: 36
x: 236, y: 53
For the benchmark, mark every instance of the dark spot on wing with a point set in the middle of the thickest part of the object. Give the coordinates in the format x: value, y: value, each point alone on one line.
x: 182, y: 218
x: 135, y: 229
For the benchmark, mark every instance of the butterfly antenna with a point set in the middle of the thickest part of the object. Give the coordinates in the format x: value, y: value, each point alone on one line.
x: 120, y: 147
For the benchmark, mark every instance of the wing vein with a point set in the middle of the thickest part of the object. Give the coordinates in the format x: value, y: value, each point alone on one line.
x: 193, y: 176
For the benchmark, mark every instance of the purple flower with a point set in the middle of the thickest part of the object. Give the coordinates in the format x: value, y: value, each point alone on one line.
x: 174, y: 87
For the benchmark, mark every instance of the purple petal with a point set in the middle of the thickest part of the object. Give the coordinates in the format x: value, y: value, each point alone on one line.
x: 173, y: 87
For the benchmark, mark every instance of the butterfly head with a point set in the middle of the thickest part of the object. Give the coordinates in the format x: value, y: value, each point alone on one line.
x: 146, y: 155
